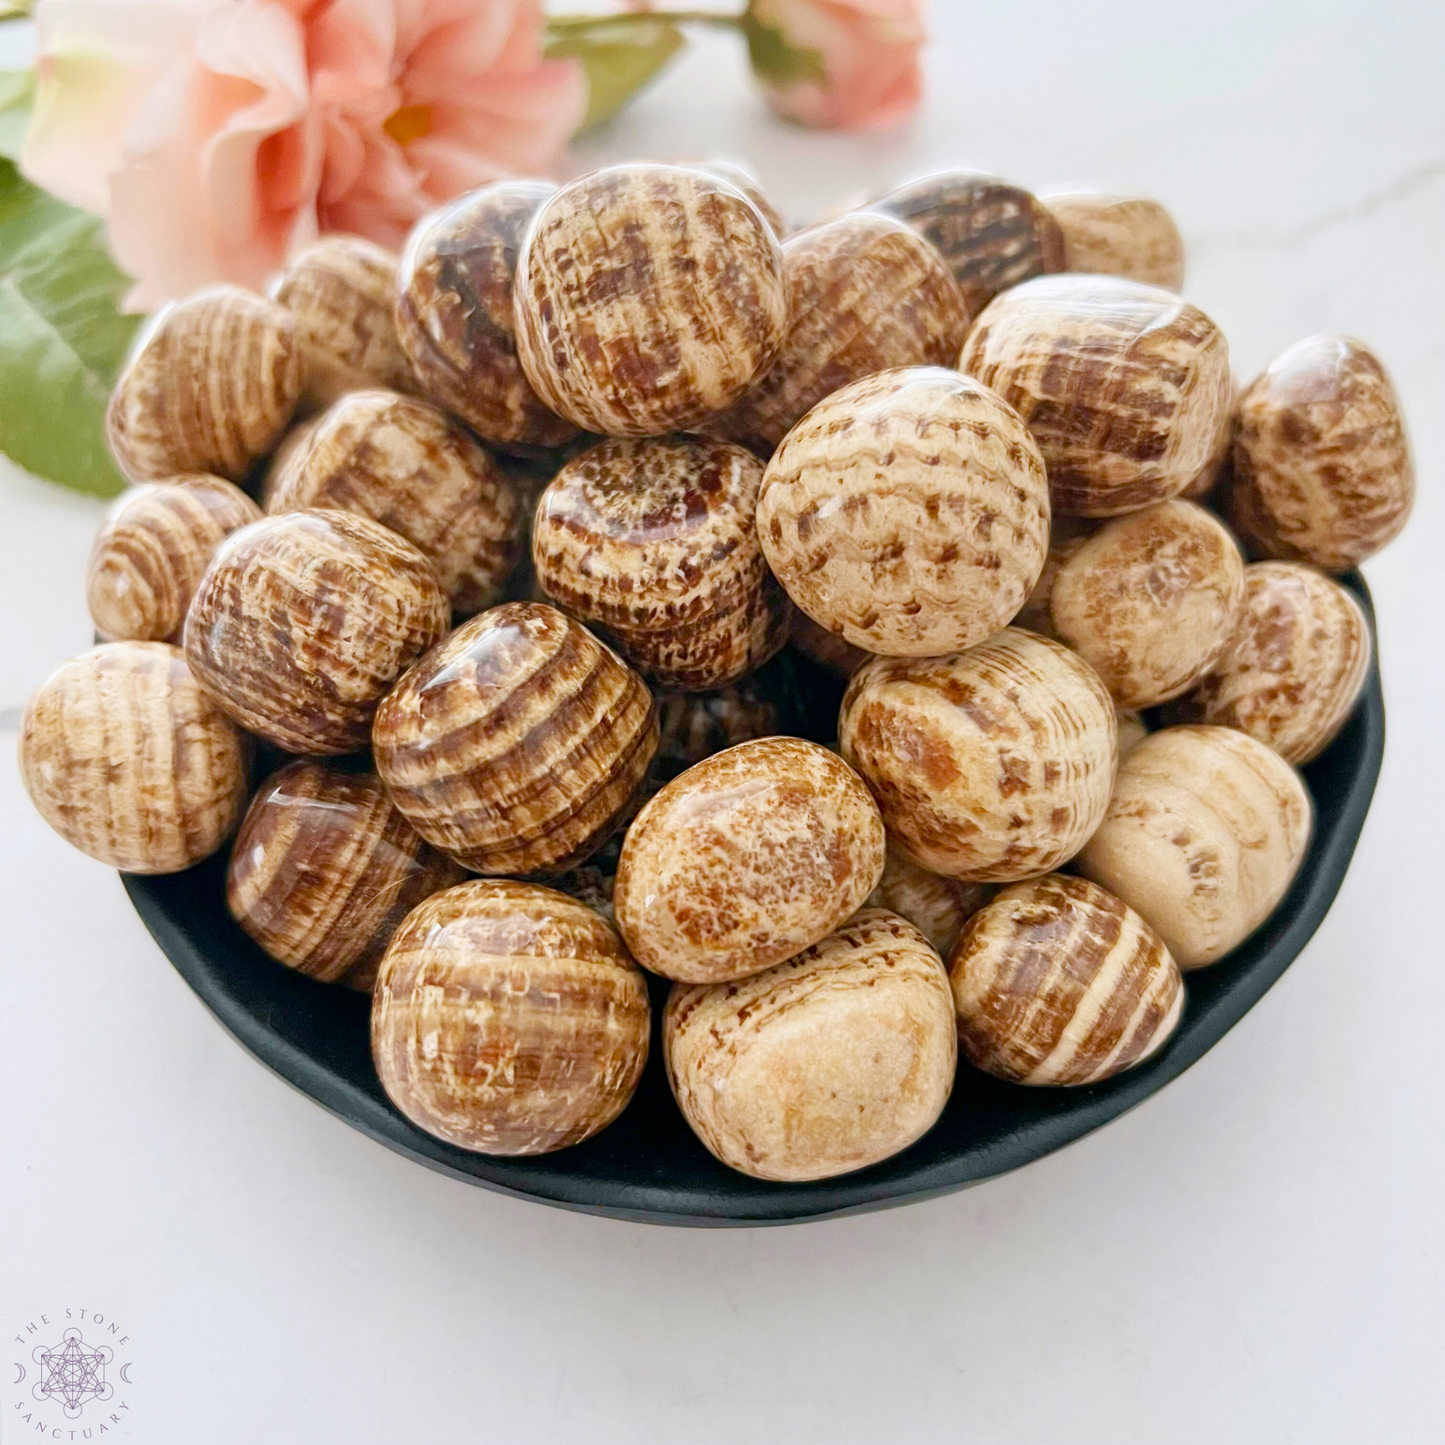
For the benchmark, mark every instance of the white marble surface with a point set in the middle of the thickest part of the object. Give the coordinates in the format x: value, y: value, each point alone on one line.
x: 1252, y: 1256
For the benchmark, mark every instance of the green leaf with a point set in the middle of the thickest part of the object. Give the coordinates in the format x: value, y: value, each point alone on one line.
x: 777, y: 61
x: 17, y: 88
x: 618, y: 59
x: 62, y: 337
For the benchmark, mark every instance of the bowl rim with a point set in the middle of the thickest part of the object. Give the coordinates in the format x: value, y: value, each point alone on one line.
x: 250, y: 995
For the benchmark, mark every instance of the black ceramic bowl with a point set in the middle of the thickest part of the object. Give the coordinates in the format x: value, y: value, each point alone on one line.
x: 648, y: 1165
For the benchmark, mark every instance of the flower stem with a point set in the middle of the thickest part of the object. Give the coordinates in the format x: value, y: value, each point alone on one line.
x: 580, y: 24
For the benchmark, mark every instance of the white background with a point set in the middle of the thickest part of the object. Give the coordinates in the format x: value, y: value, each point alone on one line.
x: 1252, y: 1256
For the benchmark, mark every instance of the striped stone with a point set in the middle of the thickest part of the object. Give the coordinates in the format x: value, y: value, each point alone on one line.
x: 654, y: 543
x: 648, y: 298
x: 152, y: 551
x: 990, y: 234
x: 744, y: 860
x: 405, y: 463
x: 1203, y: 836
x: 303, y: 622
x: 132, y: 762
x: 209, y: 387
x: 508, y: 1019
x: 1294, y: 666
x: 454, y: 313
x: 1058, y: 982
x: 991, y: 765
x: 936, y: 906
x: 1150, y: 601
x: 324, y: 869
x: 865, y: 293
x: 342, y: 292
x: 1122, y: 385
x: 1110, y: 235
x: 1322, y: 465
x: 830, y: 1062
x: 517, y: 745
x: 907, y: 513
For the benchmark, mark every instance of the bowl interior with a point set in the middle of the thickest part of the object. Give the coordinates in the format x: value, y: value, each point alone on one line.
x: 648, y: 1165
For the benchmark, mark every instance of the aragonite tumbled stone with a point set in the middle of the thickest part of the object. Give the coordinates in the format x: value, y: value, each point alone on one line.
x: 830, y: 1062
x: 1294, y: 666
x: 1058, y: 982
x: 1113, y: 235
x: 654, y: 542
x: 209, y: 386
x: 1151, y: 600
x: 1203, y: 836
x: 517, y: 745
x: 324, y: 868
x: 746, y: 859
x: 507, y: 1018
x: 1124, y: 386
x: 648, y: 298
x: 342, y: 290
x: 304, y: 621
x: 1322, y: 466
x: 993, y: 764
x: 907, y: 513
x: 153, y: 550
x: 131, y: 761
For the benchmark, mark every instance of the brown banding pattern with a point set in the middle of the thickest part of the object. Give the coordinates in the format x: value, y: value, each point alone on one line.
x: 746, y: 859
x: 130, y: 761
x: 303, y: 622
x: 517, y: 744
x: 1112, y: 235
x: 405, y: 463
x: 1322, y: 465
x: 342, y: 290
x: 648, y: 298
x: 324, y: 869
x: 1294, y: 666
x: 865, y: 293
x: 1122, y: 385
x: 152, y: 551
x: 936, y: 906
x: 507, y: 1018
x: 1150, y: 601
x: 839, y: 1058
x: 1203, y: 836
x: 454, y: 313
x: 654, y: 542
x: 990, y: 234
x: 993, y: 764
x: 908, y: 513
x: 1058, y: 982
x: 209, y: 387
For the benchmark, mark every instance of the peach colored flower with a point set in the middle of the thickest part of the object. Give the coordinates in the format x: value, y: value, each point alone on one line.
x: 217, y: 136
x: 870, y: 52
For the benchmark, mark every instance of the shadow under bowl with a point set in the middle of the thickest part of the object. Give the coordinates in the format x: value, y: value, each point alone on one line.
x: 649, y: 1166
